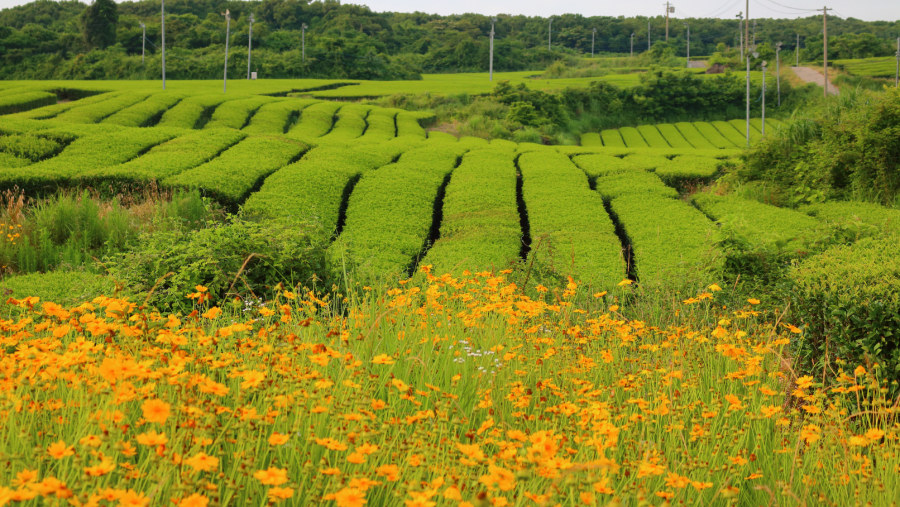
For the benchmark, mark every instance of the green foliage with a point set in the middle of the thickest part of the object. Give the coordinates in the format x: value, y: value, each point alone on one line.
x: 857, y: 218
x: 25, y: 101
x: 101, y: 148
x: 760, y: 240
x: 480, y: 229
x: 673, y: 243
x: 868, y: 67
x: 530, y: 107
x: 391, y: 213
x: 167, y: 159
x: 848, y: 300
x: 145, y: 113
x: 231, y: 176
x: 98, y: 23
x: 192, y: 112
x: 687, y: 169
x: 316, y: 121
x: 350, y: 123
x: 237, y: 114
x: 239, y: 257
x: 571, y: 234
x: 30, y: 146
x: 667, y: 94
x: 67, y: 288
x: 633, y: 182
x: 70, y: 230
x: 848, y: 148
x: 277, y: 117
x: 96, y: 112
x: 313, y: 189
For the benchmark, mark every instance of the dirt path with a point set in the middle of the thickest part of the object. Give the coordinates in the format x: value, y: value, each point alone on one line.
x: 813, y: 76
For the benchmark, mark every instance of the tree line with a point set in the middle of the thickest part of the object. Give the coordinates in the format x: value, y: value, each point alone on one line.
x: 72, y: 40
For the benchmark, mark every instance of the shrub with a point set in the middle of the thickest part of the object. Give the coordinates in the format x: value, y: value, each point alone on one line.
x: 238, y: 258
x: 480, y: 227
x: 25, y: 101
x: 61, y: 287
x: 849, y: 300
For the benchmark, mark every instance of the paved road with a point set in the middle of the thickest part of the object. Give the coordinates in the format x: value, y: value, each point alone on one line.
x: 813, y: 76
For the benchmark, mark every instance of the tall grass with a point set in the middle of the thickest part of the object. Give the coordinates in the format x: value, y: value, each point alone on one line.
x: 71, y: 229
x: 453, y: 391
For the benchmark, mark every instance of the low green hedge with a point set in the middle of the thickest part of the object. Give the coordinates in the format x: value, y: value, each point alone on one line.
x: 848, y: 299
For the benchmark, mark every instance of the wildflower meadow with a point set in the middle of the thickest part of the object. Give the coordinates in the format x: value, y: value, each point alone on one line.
x: 454, y: 391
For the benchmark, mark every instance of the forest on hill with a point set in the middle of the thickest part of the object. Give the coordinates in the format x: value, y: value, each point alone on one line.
x: 48, y: 39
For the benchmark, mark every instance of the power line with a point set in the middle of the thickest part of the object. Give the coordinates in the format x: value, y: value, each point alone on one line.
x: 792, y: 8
x: 722, y: 10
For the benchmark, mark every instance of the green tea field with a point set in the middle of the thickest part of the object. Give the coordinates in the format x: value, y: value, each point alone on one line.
x: 267, y: 297
x: 392, y: 195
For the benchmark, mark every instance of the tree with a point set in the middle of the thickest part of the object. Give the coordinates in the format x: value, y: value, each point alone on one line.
x: 98, y: 23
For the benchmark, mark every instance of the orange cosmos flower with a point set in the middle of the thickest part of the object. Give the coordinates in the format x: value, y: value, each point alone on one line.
x: 331, y: 444
x: 156, y: 411
x: 132, y: 498
x: 103, y: 468
x: 278, y: 439
x: 24, y: 477
x: 350, y: 497
x: 389, y: 472
x: 275, y: 494
x: 272, y: 476
x: 195, y: 500
x: 212, y: 313
x: 382, y: 359
x: 648, y: 469
x: 59, y: 450
x: 202, y: 462
x: 90, y: 441
x: 152, y: 438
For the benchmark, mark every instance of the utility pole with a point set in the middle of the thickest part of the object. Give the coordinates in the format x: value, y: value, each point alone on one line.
x: 632, y: 44
x: 825, y: 47
x: 764, y: 99
x: 303, y: 28
x: 163, y: 2
x: 648, y: 35
x: 550, y: 35
x: 669, y: 9
x: 250, y: 45
x: 747, y: 38
x: 740, y: 17
x: 143, y: 41
x: 688, y: 45
x: 593, y: 36
x: 227, y: 35
x: 778, y: 70
x: 797, y: 50
x: 491, y: 64
x: 897, y: 75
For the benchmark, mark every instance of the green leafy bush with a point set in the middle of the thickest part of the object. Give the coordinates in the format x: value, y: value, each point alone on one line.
x: 67, y: 288
x: 571, y: 233
x: 313, y: 189
x: 391, y: 212
x: 231, y: 176
x: 238, y: 258
x: 145, y: 113
x: 480, y: 229
x: 674, y: 244
x: 848, y: 299
x: 25, y: 101
x: 849, y: 148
